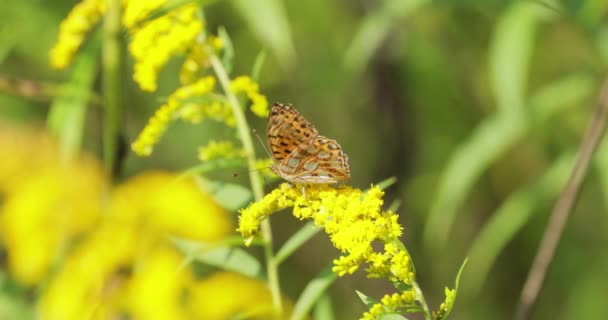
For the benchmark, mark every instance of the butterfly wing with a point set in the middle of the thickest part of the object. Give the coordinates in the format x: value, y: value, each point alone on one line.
x: 300, y: 155
x: 321, y: 161
x: 286, y: 130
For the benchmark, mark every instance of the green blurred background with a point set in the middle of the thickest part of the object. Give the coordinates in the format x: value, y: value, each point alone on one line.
x: 476, y: 106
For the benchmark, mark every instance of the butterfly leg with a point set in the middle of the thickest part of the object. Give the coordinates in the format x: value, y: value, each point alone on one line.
x: 303, y: 188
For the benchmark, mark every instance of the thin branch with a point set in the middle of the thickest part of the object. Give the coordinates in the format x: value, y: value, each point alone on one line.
x: 562, y: 209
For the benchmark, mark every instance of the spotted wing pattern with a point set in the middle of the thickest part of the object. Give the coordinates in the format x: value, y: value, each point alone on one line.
x: 300, y: 154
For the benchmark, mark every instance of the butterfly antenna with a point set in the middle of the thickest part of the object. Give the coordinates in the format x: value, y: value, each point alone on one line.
x: 255, y: 132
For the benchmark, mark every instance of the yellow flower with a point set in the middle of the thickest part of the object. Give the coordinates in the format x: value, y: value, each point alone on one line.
x: 167, y: 205
x: 46, y: 203
x: 72, y: 31
x: 90, y: 283
x: 154, y: 43
x: 157, y: 125
x: 135, y: 11
x: 259, y: 103
x: 224, y: 295
x: 156, y: 288
x: 352, y: 218
x: 127, y: 265
x: 219, y: 149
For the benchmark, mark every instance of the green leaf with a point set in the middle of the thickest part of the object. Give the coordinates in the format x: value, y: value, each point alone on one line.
x: 214, y: 165
x: 392, y: 316
x: 492, y: 138
x: 451, y: 296
x: 257, y: 65
x: 67, y: 114
x: 268, y: 21
x: 228, y: 49
x: 511, y: 52
x: 230, y: 196
x: 323, y: 309
x: 294, y: 242
x: 311, y: 294
x: 386, y: 183
x: 368, y: 301
x: 374, y: 29
x: 221, y: 256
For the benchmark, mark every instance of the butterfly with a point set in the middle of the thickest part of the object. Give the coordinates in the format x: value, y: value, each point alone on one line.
x: 299, y: 153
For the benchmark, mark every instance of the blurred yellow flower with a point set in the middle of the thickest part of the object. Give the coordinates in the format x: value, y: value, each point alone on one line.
x: 116, y: 257
x: 224, y: 295
x: 259, y: 103
x: 46, y: 203
x: 219, y: 149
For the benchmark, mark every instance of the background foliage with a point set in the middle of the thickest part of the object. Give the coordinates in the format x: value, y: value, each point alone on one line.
x: 477, y: 107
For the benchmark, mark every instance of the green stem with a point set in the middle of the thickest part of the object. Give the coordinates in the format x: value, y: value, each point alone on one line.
x: 420, y: 298
x: 256, y: 181
x: 111, y: 60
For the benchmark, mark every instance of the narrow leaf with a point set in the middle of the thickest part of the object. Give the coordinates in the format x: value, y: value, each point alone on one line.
x: 313, y: 291
x: 323, y: 308
x: 67, y: 114
x: 451, y: 294
x: 257, y: 65
x: 221, y: 256
x: 294, y: 242
x: 228, y: 49
x: 268, y: 21
x: 510, y: 54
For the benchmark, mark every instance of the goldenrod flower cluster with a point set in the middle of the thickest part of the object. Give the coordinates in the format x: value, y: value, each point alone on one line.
x: 259, y: 103
x: 197, y: 59
x: 116, y: 257
x: 73, y: 30
x: 353, y: 219
x: 216, y: 110
x: 219, y: 149
x: 450, y: 296
x: 391, y: 303
x: 154, y: 43
x: 157, y: 125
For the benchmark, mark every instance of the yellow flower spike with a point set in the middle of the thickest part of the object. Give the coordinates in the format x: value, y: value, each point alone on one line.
x: 135, y: 11
x: 219, y: 149
x: 83, y: 17
x: 259, y: 103
x: 157, y: 41
x: 351, y: 218
x: 157, y: 125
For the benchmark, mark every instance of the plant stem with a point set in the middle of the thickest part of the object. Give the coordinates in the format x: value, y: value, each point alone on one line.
x: 256, y: 181
x: 112, y: 85
x: 420, y: 298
